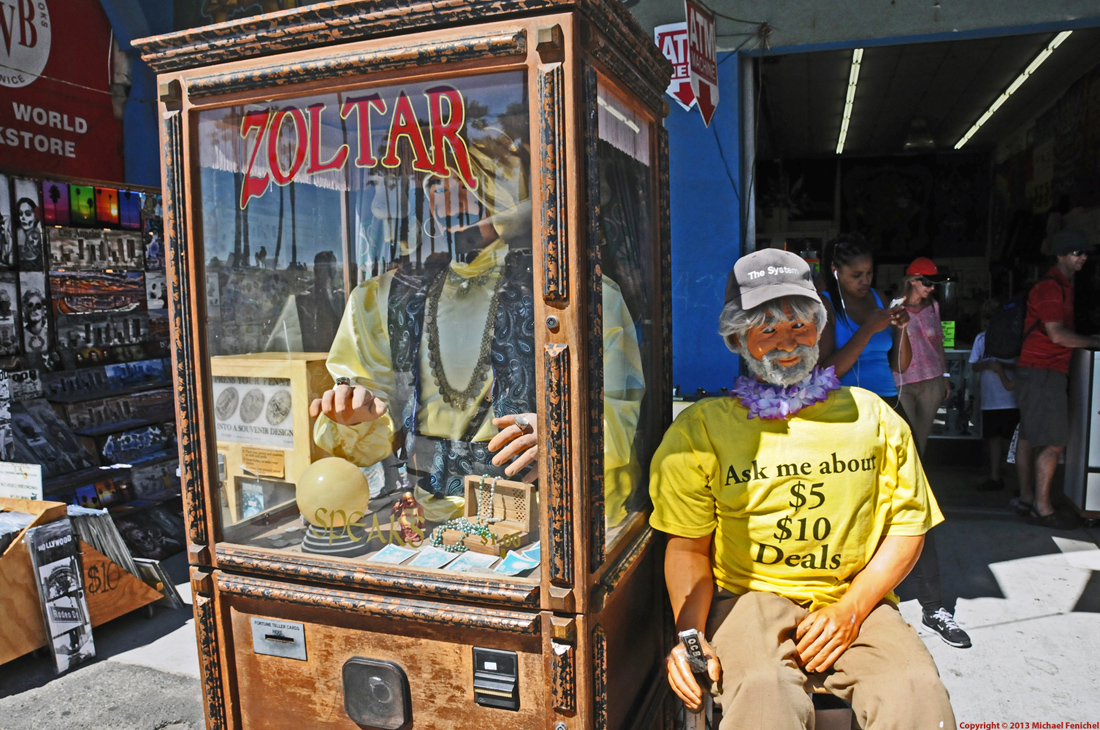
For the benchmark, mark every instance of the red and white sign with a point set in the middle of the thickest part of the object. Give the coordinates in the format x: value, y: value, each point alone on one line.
x: 55, y: 108
x: 702, y: 58
x: 672, y: 39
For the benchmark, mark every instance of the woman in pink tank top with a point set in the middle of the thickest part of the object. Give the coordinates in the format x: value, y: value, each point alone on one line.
x: 921, y: 389
x: 924, y: 386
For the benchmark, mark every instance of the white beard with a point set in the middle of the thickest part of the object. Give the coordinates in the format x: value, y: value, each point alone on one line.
x: 766, y: 369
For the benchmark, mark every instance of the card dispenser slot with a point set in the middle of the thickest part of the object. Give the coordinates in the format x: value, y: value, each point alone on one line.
x: 274, y: 637
x: 496, y: 678
x: 279, y: 639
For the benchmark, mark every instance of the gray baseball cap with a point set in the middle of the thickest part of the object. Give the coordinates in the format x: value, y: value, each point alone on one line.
x: 769, y: 274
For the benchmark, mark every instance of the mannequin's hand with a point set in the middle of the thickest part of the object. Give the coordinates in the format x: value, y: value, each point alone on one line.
x: 348, y: 405
x: 824, y: 635
x: 681, y: 679
x: 516, y: 440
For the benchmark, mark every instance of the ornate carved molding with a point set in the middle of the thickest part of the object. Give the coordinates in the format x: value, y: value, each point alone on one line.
x: 563, y: 678
x: 559, y: 463
x: 555, y: 258
x: 400, y: 609
x: 626, y: 559
x: 357, y: 64
x: 665, y: 266
x: 178, y: 272
x: 342, y: 21
x: 599, y: 678
x: 314, y: 570
x: 595, y: 486
x: 622, y: 72
x: 206, y: 631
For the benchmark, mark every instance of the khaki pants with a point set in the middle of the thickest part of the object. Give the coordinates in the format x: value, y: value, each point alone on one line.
x: 887, y: 674
x: 920, y: 401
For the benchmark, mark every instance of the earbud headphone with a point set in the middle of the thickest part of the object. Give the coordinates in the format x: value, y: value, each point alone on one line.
x: 840, y: 296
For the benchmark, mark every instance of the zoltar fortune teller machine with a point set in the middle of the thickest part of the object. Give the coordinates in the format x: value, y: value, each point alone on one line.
x: 419, y: 269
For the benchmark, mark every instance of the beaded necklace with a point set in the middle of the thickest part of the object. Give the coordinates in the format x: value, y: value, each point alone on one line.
x: 460, y: 400
x: 465, y: 526
x: 767, y: 401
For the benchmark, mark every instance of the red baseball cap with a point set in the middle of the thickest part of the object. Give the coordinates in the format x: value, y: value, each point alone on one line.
x: 925, y: 267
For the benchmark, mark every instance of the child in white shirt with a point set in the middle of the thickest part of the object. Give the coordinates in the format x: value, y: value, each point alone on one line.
x: 1000, y: 413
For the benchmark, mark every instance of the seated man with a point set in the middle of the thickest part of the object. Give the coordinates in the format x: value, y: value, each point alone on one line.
x: 793, y: 509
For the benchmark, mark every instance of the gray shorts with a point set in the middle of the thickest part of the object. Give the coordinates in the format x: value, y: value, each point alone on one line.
x: 1044, y: 406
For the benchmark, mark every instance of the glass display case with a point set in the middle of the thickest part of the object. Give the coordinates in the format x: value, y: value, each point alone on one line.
x: 420, y: 306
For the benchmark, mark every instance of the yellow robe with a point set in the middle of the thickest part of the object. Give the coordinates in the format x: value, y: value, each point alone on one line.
x: 361, y: 352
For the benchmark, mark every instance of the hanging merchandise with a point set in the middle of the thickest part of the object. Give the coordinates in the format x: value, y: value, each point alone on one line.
x: 83, y: 346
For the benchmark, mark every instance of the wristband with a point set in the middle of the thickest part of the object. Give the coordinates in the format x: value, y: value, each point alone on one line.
x: 947, y: 375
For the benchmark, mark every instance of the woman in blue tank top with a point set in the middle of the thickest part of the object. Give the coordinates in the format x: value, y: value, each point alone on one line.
x: 865, y: 342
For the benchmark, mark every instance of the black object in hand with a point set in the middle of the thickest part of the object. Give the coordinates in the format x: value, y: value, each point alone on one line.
x: 695, y: 656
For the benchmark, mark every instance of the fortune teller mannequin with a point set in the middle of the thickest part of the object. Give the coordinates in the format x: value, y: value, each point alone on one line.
x: 792, y: 510
x: 435, y: 362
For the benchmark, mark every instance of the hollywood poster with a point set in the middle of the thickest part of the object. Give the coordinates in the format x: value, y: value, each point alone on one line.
x: 53, y: 551
x: 56, y: 118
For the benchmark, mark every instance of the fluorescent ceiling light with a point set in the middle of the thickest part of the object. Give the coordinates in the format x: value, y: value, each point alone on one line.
x: 1000, y: 100
x: 849, y: 100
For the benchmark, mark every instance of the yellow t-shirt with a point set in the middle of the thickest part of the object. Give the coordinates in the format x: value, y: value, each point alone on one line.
x: 797, y: 506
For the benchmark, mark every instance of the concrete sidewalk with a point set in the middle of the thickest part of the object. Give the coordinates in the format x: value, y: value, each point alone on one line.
x: 1028, y: 596
x: 144, y: 676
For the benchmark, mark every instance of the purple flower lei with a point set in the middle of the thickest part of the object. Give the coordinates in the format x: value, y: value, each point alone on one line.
x: 776, y: 401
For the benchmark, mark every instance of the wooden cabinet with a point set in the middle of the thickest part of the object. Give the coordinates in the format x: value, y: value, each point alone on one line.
x: 437, y: 217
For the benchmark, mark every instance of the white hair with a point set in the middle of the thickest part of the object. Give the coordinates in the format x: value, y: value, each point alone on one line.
x: 737, y: 321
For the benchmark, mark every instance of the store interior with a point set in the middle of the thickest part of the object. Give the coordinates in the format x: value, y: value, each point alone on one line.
x: 901, y: 180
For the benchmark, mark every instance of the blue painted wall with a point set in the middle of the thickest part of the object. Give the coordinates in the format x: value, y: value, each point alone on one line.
x: 132, y: 19
x: 705, y: 182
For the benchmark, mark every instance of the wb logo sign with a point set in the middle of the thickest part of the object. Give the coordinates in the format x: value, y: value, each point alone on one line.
x: 24, y: 41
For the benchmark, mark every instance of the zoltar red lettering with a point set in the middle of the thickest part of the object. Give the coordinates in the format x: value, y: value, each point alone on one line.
x: 404, y: 124
x: 273, y: 135
x: 364, y: 105
x: 315, y: 164
x: 289, y: 138
x: 254, y: 185
x: 447, y: 133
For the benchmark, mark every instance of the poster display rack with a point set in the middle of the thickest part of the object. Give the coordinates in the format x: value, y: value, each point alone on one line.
x: 85, y: 376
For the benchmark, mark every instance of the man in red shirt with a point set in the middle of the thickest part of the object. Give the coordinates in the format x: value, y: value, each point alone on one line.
x: 1041, y: 377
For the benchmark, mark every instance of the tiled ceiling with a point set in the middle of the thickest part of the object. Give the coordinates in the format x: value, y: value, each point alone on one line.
x: 948, y: 85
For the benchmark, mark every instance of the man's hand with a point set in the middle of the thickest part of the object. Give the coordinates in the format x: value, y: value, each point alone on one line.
x: 518, y: 437
x: 348, y: 405
x: 825, y: 634
x: 681, y: 679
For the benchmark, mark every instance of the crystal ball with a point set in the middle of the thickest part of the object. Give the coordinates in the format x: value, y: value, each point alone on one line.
x: 333, y: 492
